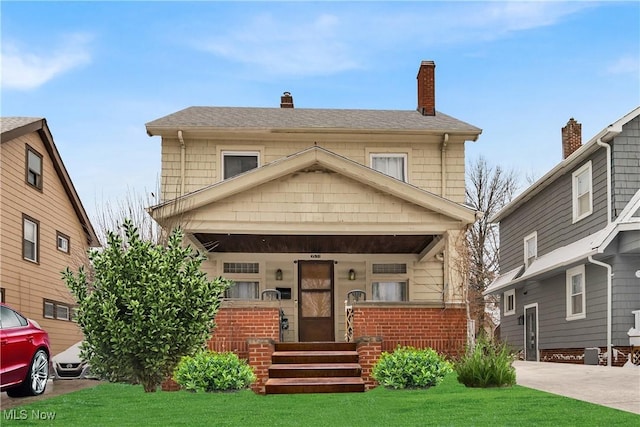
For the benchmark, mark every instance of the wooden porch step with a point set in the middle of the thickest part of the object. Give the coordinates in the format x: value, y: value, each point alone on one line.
x: 314, y: 370
x: 314, y: 357
x: 314, y: 385
x: 315, y: 346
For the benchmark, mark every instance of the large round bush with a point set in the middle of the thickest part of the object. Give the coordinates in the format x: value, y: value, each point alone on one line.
x: 210, y: 371
x: 408, y: 367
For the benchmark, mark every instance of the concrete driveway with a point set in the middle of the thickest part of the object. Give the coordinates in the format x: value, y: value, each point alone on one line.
x: 617, y: 388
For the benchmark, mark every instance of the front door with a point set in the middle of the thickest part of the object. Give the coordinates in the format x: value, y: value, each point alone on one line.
x: 531, y: 333
x: 315, y: 308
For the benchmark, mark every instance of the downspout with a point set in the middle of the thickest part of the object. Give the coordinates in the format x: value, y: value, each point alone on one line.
x: 443, y: 161
x: 609, y: 284
x: 183, y: 159
x: 608, y: 147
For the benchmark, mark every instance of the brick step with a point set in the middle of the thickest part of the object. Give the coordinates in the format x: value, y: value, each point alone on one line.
x: 315, y: 346
x: 306, y: 370
x: 314, y: 385
x: 314, y: 357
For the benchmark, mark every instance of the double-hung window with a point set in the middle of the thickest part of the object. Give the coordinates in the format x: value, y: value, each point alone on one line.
x: 392, y: 164
x: 62, y: 242
x: 530, y: 248
x: 582, y: 192
x: 509, y: 302
x: 30, y: 238
x: 576, y: 293
x: 34, y: 168
x: 237, y: 162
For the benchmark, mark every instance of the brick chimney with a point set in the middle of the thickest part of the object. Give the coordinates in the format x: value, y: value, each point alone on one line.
x: 571, y: 137
x: 286, y: 100
x: 427, y: 88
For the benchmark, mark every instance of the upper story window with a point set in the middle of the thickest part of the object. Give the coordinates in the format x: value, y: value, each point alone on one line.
x: 509, y: 302
x: 30, y: 238
x: 530, y: 248
x: 576, y: 293
x: 63, y: 242
x: 236, y: 162
x: 34, y: 168
x: 392, y: 164
x: 582, y: 192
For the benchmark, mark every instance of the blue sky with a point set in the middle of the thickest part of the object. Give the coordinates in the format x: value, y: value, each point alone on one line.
x: 519, y: 70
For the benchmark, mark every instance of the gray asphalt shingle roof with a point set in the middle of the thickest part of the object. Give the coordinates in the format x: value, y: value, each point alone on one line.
x: 307, y: 118
x: 11, y: 123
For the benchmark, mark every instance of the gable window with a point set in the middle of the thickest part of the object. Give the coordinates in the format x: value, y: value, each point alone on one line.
x: 394, y: 165
x: 509, y: 302
x: 530, y: 248
x: 236, y: 162
x: 576, y: 293
x: 63, y: 242
x: 34, y: 168
x: 582, y: 192
x: 30, y: 238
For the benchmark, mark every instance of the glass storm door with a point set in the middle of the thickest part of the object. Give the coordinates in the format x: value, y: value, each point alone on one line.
x: 315, y: 308
x: 531, y: 333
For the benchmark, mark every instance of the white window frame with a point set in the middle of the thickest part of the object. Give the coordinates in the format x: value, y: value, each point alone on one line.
x: 404, y: 156
x: 59, y: 310
x: 506, y: 310
x: 63, y: 242
x: 403, y: 283
x: 36, y: 242
x: 531, y: 237
x: 243, y: 153
x: 584, y: 169
x: 571, y: 273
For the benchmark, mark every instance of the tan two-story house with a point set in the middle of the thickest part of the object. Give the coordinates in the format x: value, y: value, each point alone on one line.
x: 43, y: 229
x: 352, y: 218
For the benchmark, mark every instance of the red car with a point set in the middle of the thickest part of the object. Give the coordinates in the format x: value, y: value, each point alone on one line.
x: 24, y: 363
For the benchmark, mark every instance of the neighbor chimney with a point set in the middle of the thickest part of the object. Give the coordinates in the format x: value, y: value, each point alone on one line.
x: 571, y: 137
x: 286, y: 100
x: 427, y: 88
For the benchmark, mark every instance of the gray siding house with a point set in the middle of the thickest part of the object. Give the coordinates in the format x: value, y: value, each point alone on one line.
x: 570, y: 252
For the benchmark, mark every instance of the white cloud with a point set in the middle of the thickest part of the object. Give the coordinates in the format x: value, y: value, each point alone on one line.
x: 625, y: 65
x: 25, y: 70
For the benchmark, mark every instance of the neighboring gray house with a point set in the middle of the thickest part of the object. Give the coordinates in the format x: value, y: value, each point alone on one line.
x: 570, y: 252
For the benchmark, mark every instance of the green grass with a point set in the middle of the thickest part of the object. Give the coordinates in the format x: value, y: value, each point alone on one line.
x: 449, y: 404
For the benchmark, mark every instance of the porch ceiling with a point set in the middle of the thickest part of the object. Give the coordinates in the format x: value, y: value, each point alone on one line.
x: 349, y: 244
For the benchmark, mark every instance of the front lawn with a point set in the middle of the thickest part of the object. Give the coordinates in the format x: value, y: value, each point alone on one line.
x: 449, y: 404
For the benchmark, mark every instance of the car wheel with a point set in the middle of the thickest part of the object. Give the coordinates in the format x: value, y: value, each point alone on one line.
x: 36, y: 381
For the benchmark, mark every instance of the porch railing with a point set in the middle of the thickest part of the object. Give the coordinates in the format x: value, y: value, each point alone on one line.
x: 352, y: 296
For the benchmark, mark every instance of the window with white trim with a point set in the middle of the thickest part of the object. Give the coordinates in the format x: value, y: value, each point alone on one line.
x: 243, y: 290
x: 30, y: 238
x: 530, y: 248
x: 576, y: 293
x: 389, y: 291
x: 57, y: 310
x: 62, y: 242
x: 392, y: 164
x: 237, y: 162
x: 509, y: 302
x: 34, y: 168
x: 582, y: 192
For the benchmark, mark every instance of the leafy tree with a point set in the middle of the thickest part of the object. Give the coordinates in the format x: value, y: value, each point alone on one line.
x: 145, y: 307
x: 488, y: 189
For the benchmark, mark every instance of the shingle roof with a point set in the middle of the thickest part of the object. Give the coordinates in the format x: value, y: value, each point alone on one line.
x: 10, y: 123
x: 307, y: 118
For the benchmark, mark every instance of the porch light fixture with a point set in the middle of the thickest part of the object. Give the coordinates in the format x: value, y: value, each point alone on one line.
x: 278, y: 274
x: 352, y: 274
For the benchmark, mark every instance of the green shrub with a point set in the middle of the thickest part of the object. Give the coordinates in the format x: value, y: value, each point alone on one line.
x: 210, y: 371
x: 408, y: 367
x: 488, y: 364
